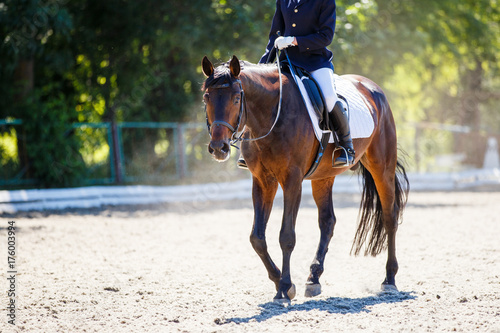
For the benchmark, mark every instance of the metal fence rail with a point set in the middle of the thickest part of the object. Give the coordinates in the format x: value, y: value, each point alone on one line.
x: 114, y: 169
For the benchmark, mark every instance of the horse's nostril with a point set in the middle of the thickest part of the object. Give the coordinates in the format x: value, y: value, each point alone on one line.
x: 225, y: 148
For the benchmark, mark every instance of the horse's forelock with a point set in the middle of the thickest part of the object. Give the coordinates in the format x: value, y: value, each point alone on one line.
x: 221, y: 75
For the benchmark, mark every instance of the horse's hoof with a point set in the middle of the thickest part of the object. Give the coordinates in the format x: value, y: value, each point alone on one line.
x: 389, y: 288
x: 313, y: 290
x: 292, y: 292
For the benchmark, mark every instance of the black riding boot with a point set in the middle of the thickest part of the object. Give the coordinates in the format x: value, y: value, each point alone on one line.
x: 241, y: 163
x: 340, y: 124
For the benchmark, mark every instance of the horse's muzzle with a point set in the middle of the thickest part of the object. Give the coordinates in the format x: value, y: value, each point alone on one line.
x: 220, y: 150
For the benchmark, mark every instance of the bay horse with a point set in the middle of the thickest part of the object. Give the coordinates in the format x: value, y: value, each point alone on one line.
x: 244, y: 97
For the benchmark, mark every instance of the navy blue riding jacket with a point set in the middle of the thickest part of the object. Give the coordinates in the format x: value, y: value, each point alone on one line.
x: 312, y: 22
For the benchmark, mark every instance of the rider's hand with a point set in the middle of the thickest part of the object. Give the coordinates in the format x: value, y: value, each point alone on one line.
x: 283, y: 42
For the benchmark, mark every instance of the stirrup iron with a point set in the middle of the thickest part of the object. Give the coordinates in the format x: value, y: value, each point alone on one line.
x: 349, y: 158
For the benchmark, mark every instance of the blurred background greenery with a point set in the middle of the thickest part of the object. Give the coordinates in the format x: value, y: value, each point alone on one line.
x: 90, y: 61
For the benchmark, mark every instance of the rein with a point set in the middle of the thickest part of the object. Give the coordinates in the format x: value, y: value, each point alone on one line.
x: 235, y: 137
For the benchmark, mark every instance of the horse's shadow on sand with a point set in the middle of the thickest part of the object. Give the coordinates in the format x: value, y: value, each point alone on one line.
x: 339, y: 305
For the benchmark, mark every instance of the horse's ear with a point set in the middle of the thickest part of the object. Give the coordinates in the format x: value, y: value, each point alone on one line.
x: 234, y: 65
x: 208, y: 68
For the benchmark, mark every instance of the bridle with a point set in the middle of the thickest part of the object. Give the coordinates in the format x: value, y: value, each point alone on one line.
x: 235, y: 135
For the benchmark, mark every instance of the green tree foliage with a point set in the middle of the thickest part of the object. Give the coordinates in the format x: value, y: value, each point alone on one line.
x: 438, y: 61
x: 35, y: 56
x: 140, y: 60
x: 52, y: 151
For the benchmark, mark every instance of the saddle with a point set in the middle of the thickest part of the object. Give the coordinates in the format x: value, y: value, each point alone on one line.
x: 313, y: 90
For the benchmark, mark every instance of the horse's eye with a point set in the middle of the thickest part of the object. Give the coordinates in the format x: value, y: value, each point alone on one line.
x: 237, y: 100
x: 206, y: 98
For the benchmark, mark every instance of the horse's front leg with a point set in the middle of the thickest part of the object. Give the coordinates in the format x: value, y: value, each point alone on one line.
x: 322, y: 193
x: 292, y: 191
x: 263, y: 193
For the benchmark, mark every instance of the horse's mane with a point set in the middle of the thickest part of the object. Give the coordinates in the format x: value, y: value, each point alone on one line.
x: 260, y: 68
x: 222, y: 73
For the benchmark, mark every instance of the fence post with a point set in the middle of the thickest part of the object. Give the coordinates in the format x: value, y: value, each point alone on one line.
x: 417, y: 147
x: 109, y: 138
x: 116, y: 152
x: 181, y: 152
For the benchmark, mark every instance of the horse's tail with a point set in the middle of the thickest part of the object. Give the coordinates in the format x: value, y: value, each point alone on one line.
x: 371, y: 224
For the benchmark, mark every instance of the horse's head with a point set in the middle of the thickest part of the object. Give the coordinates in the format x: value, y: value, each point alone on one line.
x: 223, y: 104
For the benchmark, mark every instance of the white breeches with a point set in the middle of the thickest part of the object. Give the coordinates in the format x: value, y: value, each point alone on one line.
x: 326, y: 81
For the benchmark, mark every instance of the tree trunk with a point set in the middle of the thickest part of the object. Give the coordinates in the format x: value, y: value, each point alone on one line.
x: 110, y: 116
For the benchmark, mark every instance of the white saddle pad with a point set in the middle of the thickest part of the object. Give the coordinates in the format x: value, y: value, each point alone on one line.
x: 360, y: 118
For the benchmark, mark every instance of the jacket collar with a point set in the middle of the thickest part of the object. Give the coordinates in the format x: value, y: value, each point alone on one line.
x: 300, y: 3
x: 294, y: 3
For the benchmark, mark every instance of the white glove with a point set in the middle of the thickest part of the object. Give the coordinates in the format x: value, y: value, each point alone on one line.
x: 283, y: 42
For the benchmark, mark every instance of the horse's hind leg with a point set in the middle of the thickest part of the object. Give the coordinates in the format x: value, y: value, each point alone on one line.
x: 387, y: 201
x: 386, y: 190
x: 263, y: 193
x: 322, y: 193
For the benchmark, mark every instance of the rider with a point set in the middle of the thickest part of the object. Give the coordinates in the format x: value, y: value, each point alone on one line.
x: 308, y: 27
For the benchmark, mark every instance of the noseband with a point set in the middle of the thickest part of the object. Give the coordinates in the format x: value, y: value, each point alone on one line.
x: 218, y: 122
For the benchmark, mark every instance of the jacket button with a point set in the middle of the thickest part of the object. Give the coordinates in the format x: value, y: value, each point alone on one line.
x: 294, y: 25
x: 296, y: 10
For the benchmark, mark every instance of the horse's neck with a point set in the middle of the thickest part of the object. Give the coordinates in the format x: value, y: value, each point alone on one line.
x: 262, y: 96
